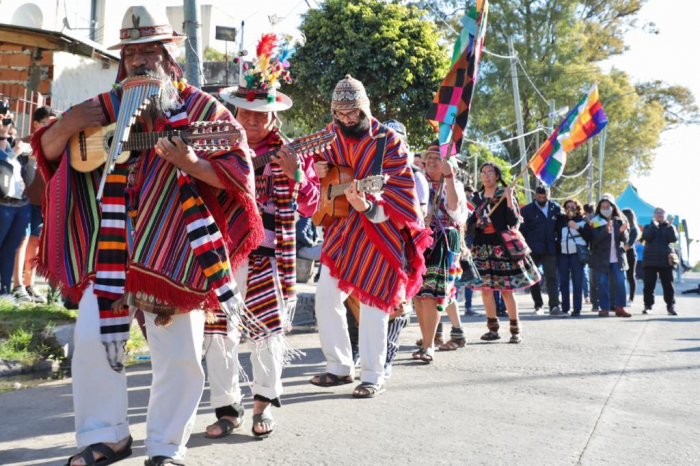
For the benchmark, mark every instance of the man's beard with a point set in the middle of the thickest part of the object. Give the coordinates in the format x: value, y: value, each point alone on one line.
x: 356, y: 131
x: 167, y: 99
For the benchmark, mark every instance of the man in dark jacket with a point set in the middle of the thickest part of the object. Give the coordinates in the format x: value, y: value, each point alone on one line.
x: 538, y: 228
x: 658, y: 237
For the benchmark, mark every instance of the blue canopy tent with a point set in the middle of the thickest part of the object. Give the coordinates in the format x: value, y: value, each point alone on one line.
x: 629, y: 199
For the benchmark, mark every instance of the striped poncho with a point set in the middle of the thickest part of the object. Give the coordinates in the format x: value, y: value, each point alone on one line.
x: 381, y: 263
x: 160, y: 262
x: 261, y: 297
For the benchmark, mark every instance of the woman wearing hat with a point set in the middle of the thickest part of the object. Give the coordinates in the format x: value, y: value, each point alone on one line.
x: 267, y: 280
x: 442, y: 259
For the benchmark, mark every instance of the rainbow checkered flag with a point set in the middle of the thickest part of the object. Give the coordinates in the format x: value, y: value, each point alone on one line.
x: 449, y: 112
x: 583, y: 122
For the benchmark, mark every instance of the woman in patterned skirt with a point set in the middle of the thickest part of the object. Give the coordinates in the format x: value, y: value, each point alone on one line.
x: 498, y: 272
x: 442, y: 259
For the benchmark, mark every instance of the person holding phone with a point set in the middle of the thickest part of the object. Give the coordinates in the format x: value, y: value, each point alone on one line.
x: 14, y: 204
x: 609, y: 232
x: 569, y: 236
x: 658, y: 237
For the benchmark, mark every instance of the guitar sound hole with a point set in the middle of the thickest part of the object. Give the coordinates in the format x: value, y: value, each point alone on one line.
x: 108, y: 140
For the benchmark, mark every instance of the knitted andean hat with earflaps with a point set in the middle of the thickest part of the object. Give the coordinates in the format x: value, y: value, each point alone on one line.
x: 350, y: 94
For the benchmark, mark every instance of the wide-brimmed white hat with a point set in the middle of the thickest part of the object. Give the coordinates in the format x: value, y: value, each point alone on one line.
x: 256, y: 100
x: 261, y: 77
x: 140, y: 25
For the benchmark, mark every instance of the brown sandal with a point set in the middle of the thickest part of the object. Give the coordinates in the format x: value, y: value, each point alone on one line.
x: 452, y: 345
x: 330, y: 380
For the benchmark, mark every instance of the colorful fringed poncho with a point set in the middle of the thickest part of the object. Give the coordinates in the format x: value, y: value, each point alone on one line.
x: 381, y: 263
x: 275, y: 197
x: 161, y: 262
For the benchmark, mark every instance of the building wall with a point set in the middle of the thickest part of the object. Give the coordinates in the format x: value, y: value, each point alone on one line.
x: 69, y: 83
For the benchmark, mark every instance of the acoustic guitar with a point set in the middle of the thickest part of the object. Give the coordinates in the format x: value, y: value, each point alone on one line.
x: 333, y: 203
x: 89, y: 149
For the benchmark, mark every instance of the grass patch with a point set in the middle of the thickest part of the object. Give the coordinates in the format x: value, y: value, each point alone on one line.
x: 23, y: 331
x: 137, y: 343
x: 32, y: 317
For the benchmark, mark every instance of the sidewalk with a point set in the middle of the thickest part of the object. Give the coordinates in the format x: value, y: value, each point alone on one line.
x: 588, y: 391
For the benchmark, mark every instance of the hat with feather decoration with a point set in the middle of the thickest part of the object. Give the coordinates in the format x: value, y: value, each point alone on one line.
x: 261, y: 77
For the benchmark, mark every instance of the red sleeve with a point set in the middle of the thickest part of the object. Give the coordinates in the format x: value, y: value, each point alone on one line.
x: 310, y: 189
x: 46, y: 168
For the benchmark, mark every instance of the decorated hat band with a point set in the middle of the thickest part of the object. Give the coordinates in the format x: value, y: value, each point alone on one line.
x: 257, y: 94
x: 146, y: 31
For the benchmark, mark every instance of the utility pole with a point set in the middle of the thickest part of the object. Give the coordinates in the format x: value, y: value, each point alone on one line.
x: 240, y: 59
x: 590, y: 169
x: 193, y: 50
x: 552, y: 112
x: 601, y: 157
x: 519, y: 116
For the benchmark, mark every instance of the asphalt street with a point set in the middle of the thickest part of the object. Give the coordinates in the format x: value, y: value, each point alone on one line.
x: 577, y: 391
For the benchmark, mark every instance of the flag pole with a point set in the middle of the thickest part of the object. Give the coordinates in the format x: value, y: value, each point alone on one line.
x: 515, y: 181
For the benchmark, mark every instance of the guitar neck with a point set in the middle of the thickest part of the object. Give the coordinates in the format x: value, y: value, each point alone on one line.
x: 143, y: 141
x: 337, y: 190
x: 263, y: 159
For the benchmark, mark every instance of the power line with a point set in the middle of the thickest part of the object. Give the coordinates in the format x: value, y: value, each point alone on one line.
x: 503, y: 141
x: 570, y: 195
x: 577, y: 174
x: 488, y: 52
x: 533, y: 84
x: 441, y: 18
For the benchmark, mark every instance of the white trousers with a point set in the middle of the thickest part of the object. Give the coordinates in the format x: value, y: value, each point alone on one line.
x: 333, y: 332
x: 100, y: 394
x: 222, y: 357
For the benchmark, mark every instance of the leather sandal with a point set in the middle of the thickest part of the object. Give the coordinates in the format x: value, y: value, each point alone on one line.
x: 109, y: 455
x: 424, y: 355
x: 331, y: 380
x: 368, y: 390
x: 490, y: 336
x: 227, y: 427
x: 263, y: 418
x: 452, y: 345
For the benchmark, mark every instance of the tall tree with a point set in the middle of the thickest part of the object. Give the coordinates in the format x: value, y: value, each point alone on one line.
x: 560, y: 44
x: 391, y: 48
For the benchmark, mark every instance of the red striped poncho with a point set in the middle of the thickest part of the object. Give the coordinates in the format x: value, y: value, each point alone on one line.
x: 381, y: 263
x: 161, y: 261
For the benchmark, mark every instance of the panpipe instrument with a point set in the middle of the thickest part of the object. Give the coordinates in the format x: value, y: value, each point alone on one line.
x: 137, y: 94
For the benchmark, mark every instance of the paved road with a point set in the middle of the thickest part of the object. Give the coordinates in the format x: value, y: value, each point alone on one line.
x: 586, y: 391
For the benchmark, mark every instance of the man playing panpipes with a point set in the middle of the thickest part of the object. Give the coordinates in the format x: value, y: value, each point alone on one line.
x: 171, y: 226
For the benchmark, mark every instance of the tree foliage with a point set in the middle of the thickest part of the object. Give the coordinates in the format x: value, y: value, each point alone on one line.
x: 560, y: 44
x: 391, y: 48
x: 211, y: 54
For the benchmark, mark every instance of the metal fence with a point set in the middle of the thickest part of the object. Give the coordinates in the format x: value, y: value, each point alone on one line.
x: 23, y: 103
